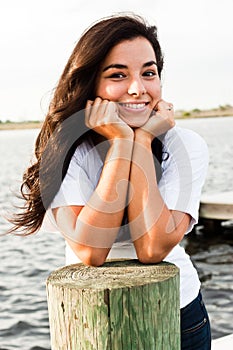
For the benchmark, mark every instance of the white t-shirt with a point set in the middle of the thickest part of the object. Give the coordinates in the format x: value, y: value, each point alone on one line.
x: 183, y: 175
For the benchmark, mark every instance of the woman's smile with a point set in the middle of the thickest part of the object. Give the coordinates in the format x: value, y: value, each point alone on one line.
x: 134, y: 106
x: 134, y: 114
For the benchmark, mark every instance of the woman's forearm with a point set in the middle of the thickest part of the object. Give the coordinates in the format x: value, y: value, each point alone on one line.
x: 100, y: 219
x: 155, y: 229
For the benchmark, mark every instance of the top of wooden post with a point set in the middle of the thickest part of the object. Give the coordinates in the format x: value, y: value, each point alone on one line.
x: 113, y: 274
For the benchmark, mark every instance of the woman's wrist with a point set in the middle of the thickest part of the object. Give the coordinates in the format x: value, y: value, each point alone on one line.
x: 121, y: 148
x: 143, y: 137
x: 129, y: 136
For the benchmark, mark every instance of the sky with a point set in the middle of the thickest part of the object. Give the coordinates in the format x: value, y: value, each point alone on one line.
x: 37, y: 38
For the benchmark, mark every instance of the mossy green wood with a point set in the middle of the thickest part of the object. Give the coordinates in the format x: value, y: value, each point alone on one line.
x: 122, y: 305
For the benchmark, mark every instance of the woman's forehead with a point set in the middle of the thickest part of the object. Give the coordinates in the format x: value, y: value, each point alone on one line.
x: 138, y: 49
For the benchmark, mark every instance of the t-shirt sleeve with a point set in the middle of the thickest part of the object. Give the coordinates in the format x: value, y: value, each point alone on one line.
x: 76, y: 188
x: 184, y: 172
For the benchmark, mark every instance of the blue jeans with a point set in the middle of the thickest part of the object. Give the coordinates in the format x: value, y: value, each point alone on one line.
x: 195, y: 326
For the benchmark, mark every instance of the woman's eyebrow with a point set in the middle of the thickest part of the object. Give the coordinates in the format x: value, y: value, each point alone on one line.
x: 116, y: 65
x: 122, y: 66
x: 150, y: 63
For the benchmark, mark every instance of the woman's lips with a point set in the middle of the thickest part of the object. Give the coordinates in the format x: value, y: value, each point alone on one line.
x: 134, y: 106
x: 134, y: 114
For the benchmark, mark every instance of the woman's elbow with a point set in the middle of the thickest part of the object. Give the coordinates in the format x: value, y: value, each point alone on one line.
x: 92, y: 261
x: 150, y: 257
x: 90, y: 256
x: 93, y: 258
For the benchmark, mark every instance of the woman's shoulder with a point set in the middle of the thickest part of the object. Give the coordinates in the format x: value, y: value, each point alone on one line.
x: 186, y: 137
x: 87, y: 158
x: 84, y: 147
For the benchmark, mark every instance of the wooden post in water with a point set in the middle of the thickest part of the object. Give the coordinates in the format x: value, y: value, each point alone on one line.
x: 122, y: 305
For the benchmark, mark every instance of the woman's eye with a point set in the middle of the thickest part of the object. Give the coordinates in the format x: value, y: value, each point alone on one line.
x: 117, y: 75
x: 149, y: 73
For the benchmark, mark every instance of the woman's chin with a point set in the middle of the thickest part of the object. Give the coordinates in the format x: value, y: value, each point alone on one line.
x: 136, y: 122
x: 136, y: 125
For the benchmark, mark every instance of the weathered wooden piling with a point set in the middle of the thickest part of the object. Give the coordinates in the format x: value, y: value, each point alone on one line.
x: 122, y: 305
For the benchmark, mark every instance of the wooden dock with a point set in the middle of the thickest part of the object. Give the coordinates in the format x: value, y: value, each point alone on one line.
x: 217, y: 206
x: 224, y: 343
x: 214, y: 209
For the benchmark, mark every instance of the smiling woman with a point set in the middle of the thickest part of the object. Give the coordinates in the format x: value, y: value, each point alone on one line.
x: 113, y: 173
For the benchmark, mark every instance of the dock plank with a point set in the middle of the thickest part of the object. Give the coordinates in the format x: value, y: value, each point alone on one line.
x: 217, y: 206
x: 224, y: 343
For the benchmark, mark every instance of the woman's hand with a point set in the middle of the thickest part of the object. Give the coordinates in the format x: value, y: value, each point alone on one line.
x: 161, y: 120
x: 102, y: 116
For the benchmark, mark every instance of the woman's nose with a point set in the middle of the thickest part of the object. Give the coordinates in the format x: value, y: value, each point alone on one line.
x: 136, y: 87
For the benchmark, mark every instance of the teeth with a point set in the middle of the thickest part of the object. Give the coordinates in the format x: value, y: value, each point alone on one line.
x: 134, y: 105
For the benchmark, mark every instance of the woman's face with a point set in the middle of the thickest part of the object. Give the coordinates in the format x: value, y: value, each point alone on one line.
x: 129, y: 76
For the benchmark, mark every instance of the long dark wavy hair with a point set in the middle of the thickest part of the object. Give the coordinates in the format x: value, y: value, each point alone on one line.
x: 64, y: 125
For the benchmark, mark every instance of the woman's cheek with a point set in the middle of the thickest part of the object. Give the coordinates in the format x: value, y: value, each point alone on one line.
x: 157, y: 94
x: 109, y: 91
x: 113, y: 93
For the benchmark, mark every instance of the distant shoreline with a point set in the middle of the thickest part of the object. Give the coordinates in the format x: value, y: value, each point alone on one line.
x: 221, y: 111
x: 20, y: 125
x: 224, y: 111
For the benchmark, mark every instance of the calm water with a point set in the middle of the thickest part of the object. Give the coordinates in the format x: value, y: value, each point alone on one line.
x: 26, y: 262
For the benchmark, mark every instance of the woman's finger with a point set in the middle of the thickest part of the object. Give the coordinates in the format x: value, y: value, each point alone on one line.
x: 95, y: 112
x: 157, y: 104
x: 88, y: 111
x: 163, y: 105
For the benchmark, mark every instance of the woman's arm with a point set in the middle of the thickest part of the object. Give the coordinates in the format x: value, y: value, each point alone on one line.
x: 155, y: 229
x: 91, y: 230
